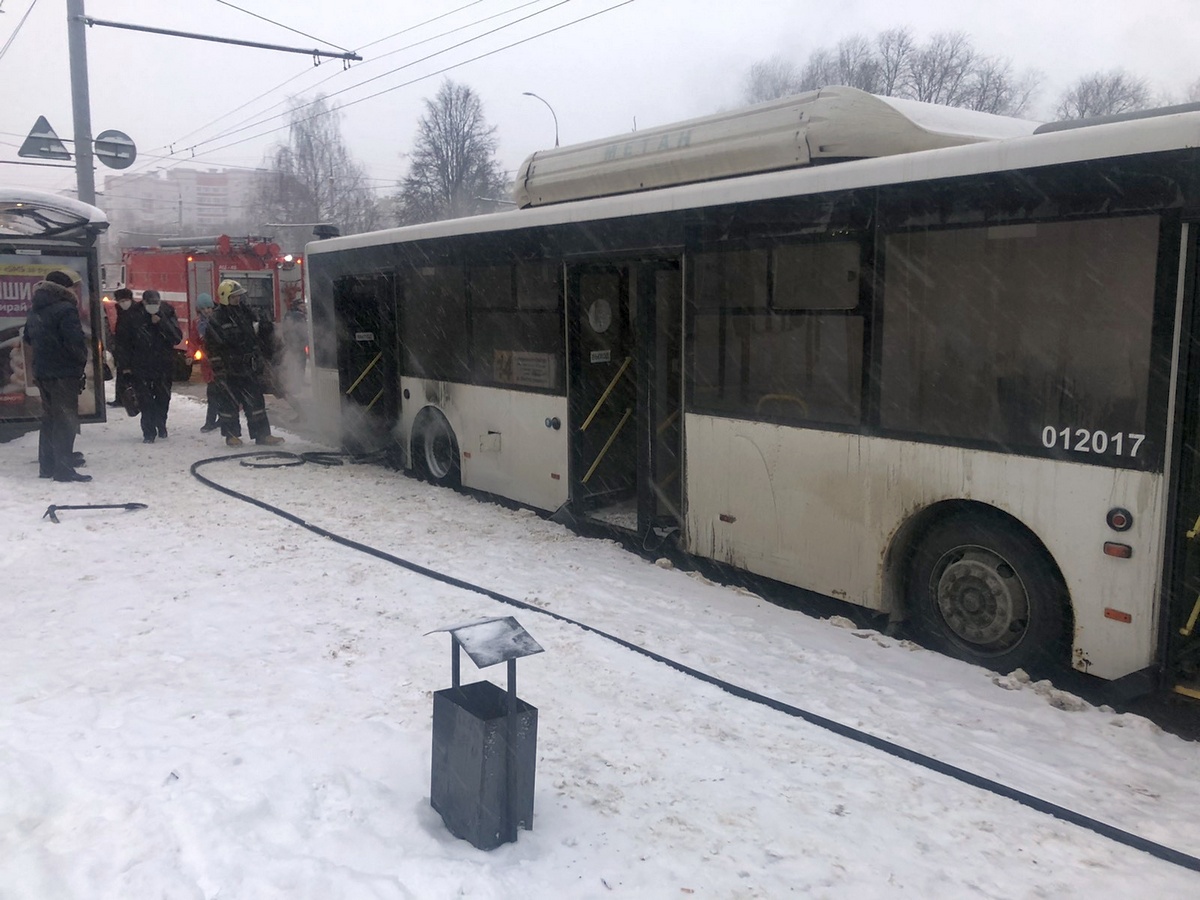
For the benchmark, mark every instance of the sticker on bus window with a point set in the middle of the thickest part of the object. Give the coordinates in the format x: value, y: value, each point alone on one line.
x: 1086, y: 440
x: 362, y: 336
x: 601, y: 356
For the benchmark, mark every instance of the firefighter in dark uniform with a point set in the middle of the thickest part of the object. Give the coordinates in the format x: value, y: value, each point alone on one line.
x: 238, y: 367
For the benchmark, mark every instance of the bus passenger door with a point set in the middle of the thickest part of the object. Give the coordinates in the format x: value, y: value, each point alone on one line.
x: 1181, y: 612
x: 364, y: 310
x: 660, y: 324
x: 625, y: 341
x: 602, y: 393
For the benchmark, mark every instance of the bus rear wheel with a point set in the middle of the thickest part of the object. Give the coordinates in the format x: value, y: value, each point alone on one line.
x: 986, y: 592
x: 435, y: 451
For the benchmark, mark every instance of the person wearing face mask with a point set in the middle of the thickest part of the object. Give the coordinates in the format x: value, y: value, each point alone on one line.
x: 147, y: 337
x: 124, y: 300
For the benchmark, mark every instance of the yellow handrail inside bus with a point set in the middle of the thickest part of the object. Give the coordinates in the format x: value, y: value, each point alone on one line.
x: 376, y: 397
x: 359, y: 379
x: 612, y: 437
x: 665, y: 500
x: 608, y: 390
x: 1187, y: 629
x: 667, y: 422
x: 784, y: 398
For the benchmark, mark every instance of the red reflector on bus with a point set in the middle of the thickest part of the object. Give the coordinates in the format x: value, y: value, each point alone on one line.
x: 554, y: 476
x: 1121, y: 551
x: 1116, y: 615
x: 466, y: 454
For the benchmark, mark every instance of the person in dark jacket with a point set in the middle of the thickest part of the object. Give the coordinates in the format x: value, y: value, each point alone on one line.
x: 147, y: 336
x: 199, y: 327
x: 124, y: 301
x: 59, y: 350
x: 237, y: 361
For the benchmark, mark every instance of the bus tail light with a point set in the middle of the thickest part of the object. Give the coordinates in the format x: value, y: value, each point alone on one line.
x: 198, y: 355
x: 1117, y: 615
x: 1121, y: 551
x: 1119, y: 519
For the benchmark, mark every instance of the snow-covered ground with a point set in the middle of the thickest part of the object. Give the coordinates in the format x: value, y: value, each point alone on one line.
x: 205, y: 700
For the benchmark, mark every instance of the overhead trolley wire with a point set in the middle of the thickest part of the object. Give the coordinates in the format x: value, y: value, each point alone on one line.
x: 238, y: 125
x: 12, y: 37
x: 418, y: 25
x: 1120, y: 836
x: 418, y: 79
x: 401, y: 68
x: 281, y: 25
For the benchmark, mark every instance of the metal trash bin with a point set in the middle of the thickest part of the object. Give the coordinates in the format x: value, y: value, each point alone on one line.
x: 485, y: 740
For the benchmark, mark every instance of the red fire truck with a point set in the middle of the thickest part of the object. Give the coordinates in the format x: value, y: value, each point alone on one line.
x: 182, y: 269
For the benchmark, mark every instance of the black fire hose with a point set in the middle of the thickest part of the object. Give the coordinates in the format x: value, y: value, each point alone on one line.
x: 1136, y: 842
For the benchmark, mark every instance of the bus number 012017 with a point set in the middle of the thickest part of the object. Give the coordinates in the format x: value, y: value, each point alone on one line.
x: 1082, y: 440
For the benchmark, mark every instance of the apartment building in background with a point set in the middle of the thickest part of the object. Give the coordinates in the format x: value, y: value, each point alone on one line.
x: 177, y: 202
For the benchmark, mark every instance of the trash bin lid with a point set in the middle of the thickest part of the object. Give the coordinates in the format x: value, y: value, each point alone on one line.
x: 491, y: 641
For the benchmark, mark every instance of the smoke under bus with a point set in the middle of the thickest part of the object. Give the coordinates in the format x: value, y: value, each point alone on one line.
x: 930, y: 362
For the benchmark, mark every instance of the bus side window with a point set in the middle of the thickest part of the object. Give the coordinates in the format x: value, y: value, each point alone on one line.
x: 774, y: 335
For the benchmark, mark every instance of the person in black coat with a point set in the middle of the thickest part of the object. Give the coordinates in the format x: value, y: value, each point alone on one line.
x: 238, y: 365
x: 147, y: 335
x: 59, y: 350
x: 124, y: 301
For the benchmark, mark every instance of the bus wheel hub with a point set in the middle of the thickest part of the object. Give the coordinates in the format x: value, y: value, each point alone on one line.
x: 982, y: 600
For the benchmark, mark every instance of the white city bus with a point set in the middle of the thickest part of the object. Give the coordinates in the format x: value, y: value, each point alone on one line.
x: 945, y: 368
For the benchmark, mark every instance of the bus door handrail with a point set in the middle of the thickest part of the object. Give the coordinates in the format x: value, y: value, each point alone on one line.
x: 604, y: 450
x: 608, y: 390
x: 363, y: 375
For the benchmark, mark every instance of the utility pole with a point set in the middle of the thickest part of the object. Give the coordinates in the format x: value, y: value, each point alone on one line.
x: 81, y: 106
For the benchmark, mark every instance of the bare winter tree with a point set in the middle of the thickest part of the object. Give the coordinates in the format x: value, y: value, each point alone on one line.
x: 819, y: 70
x: 940, y: 71
x: 993, y: 88
x: 1193, y: 92
x: 852, y: 62
x: 858, y: 63
x: 947, y: 70
x: 453, y: 170
x: 770, y: 79
x: 1104, y: 94
x: 895, y: 49
x: 313, y: 178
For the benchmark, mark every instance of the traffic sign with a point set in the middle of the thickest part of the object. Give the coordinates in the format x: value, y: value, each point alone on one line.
x: 115, y: 149
x: 43, y: 143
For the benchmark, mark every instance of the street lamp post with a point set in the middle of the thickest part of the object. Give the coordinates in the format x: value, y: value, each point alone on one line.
x: 549, y: 107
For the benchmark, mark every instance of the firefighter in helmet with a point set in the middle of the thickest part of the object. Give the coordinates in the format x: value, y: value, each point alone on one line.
x: 238, y: 366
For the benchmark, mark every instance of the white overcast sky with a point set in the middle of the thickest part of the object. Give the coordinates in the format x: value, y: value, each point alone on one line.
x: 643, y: 61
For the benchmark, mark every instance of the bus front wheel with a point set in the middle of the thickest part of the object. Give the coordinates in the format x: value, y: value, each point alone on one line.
x: 435, y: 451
x: 985, y: 591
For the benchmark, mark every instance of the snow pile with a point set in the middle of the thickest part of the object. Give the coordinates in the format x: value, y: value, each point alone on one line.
x: 203, y: 700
